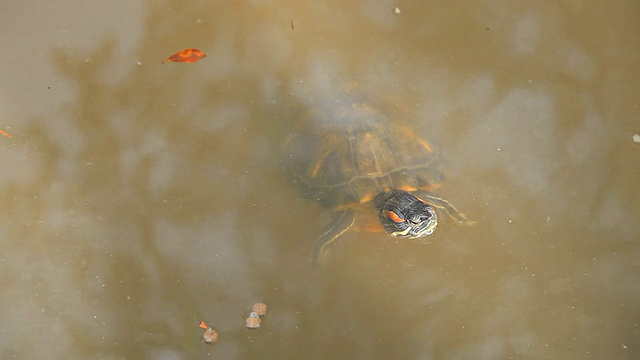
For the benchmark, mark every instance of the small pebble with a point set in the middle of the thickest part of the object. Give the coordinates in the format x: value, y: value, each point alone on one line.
x: 210, y: 336
x: 253, y: 322
x: 636, y: 138
x: 260, y: 309
x: 254, y: 314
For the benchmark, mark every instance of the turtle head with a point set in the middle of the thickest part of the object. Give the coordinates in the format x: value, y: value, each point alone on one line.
x: 403, y: 214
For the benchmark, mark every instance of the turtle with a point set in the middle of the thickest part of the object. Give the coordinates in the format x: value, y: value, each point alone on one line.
x: 352, y: 158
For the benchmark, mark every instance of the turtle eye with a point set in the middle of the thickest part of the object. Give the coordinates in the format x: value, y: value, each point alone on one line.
x: 393, y: 216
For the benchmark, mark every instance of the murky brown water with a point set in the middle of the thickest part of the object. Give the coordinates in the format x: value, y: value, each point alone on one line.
x: 138, y: 198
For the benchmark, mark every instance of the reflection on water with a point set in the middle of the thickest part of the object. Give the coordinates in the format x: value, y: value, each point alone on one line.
x: 139, y: 198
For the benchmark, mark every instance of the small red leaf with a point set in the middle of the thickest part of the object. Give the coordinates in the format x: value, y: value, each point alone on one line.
x: 186, y: 55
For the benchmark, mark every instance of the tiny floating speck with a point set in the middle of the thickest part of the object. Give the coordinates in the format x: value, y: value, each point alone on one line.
x: 636, y: 138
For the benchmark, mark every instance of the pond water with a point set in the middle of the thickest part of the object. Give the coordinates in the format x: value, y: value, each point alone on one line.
x: 139, y: 198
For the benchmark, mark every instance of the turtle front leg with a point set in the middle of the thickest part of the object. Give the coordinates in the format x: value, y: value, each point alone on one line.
x: 342, y: 224
x: 443, y: 204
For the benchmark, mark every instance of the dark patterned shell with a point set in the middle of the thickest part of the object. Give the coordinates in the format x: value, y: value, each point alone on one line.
x: 347, y: 154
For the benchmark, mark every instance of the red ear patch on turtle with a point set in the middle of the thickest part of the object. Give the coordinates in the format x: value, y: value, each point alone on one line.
x: 393, y: 216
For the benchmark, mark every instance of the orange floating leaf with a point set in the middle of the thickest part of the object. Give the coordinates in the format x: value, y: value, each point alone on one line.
x: 4, y: 133
x: 203, y: 325
x: 187, y: 55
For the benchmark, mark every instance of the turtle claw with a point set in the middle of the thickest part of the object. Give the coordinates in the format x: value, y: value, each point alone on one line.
x: 451, y: 210
x: 322, y: 259
x: 343, y: 222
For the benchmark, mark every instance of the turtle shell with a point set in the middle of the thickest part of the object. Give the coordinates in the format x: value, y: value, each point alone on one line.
x: 347, y: 152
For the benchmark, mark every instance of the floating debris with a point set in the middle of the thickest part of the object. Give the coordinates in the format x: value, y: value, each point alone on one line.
x: 209, y: 336
x: 260, y: 309
x: 253, y: 321
x: 636, y: 138
x: 187, y: 56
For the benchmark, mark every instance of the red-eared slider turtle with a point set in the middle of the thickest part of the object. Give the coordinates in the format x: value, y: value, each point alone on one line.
x: 353, y: 159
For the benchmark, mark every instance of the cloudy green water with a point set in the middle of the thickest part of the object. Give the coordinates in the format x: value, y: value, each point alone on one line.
x: 138, y: 198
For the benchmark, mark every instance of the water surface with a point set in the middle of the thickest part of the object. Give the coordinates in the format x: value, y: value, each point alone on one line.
x: 139, y: 198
